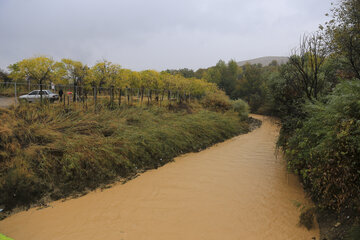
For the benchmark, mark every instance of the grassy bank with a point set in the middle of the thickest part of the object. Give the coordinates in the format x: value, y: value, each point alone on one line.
x: 3, y: 237
x: 53, y: 152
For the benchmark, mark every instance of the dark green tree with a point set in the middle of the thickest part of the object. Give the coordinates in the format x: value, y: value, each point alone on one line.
x: 250, y: 86
x: 343, y: 32
x: 4, y: 76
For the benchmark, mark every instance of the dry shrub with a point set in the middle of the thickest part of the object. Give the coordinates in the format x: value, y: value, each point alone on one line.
x: 217, y: 101
x: 51, y: 152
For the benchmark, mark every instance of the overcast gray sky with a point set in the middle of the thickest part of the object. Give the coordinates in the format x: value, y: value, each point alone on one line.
x: 155, y: 34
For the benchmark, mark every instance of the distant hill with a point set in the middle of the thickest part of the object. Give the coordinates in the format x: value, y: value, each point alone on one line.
x: 265, y: 61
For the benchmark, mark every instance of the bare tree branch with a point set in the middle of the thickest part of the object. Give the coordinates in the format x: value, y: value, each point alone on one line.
x: 307, y: 61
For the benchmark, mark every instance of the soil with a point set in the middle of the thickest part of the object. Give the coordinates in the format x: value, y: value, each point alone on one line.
x: 6, y: 101
x: 336, y: 226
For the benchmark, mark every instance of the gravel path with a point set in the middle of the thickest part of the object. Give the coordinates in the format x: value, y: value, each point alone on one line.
x: 6, y: 101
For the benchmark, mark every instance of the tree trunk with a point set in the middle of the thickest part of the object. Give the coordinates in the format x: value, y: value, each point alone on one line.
x: 41, y: 92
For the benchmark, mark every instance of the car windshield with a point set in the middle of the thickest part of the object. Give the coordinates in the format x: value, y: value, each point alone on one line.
x: 49, y: 92
x: 34, y: 93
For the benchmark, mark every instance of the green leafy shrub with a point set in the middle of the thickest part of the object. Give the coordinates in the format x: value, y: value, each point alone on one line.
x: 325, y: 150
x: 241, y: 107
x: 3, y: 237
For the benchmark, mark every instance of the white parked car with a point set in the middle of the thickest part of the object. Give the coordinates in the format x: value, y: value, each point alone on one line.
x: 34, y: 96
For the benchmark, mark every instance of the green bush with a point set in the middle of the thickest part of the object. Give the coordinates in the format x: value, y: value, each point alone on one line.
x: 3, y: 237
x: 242, y: 108
x: 325, y: 150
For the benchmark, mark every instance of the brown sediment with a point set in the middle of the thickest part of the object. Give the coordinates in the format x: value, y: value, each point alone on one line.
x: 238, y: 189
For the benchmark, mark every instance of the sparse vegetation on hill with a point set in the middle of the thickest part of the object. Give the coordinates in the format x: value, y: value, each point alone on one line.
x: 265, y: 61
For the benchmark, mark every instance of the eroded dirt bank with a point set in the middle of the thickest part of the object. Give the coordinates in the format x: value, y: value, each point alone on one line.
x: 238, y: 189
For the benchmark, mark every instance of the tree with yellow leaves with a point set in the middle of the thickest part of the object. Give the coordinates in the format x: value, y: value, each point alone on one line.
x: 39, y: 69
x: 105, y: 73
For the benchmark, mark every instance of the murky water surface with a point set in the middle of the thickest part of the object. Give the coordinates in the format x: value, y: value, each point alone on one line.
x: 238, y: 189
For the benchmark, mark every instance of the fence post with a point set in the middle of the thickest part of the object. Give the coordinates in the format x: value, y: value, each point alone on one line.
x: 86, y: 100
x: 95, y: 103
x: 75, y: 92
x: 162, y: 97
x: 120, y: 92
x: 127, y: 93
x: 41, y: 93
x: 112, y: 95
x: 15, y: 94
x: 132, y: 96
x: 157, y: 96
x: 82, y: 95
x: 148, y: 96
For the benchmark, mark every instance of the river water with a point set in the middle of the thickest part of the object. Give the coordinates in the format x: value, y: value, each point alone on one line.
x: 238, y: 189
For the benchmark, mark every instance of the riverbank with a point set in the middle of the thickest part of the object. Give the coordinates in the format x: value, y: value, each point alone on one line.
x: 322, y: 146
x: 48, y: 153
x: 238, y: 189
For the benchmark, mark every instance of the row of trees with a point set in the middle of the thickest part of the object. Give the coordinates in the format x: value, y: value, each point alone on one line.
x: 223, y: 74
x: 238, y: 82
x: 313, y: 70
x: 315, y: 67
x: 104, y: 74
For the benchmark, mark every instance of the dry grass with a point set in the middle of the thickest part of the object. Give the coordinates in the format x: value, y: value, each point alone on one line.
x: 53, y: 152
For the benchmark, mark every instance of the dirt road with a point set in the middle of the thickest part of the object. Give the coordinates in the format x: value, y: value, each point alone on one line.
x: 6, y: 101
x: 238, y: 189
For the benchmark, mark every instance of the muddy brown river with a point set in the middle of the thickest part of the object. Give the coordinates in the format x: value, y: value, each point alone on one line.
x: 238, y: 189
